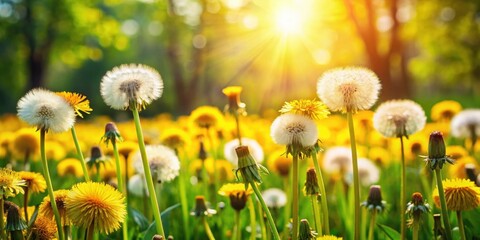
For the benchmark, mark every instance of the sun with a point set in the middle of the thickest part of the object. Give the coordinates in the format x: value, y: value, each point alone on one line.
x: 288, y: 21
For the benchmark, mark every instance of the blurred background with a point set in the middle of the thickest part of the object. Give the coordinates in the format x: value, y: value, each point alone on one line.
x: 275, y: 49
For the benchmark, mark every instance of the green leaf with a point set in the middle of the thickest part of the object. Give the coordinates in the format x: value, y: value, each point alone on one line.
x: 389, y: 232
x: 139, y: 219
x: 152, y: 230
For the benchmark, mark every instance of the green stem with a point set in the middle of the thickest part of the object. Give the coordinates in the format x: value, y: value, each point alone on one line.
x: 253, y: 221
x: 215, y: 172
x: 372, y: 224
x: 295, y: 198
x: 288, y: 207
x: 121, y: 187
x: 66, y: 230
x: 183, y: 199
x: 46, y: 174
x: 461, y: 228
x: 356, y: 185
x: 323, y: 195
x: 238, y: 229
x: 80, y: 154
x: 416, y: 227
x: 2, y: 223
x: 148, y: 175
x: 208, y: 231
x: 402, y: 192
x: 316, y: 215
x: 25, y: 203
x: 262, y: 222
x: 271, y: 223
x: 237, y: 121
x: 441, y: 194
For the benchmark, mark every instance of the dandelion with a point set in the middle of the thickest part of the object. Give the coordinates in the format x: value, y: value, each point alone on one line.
x: 399, y: 118
x: 60, y: 198
x: 43, y: 229
x: 375, y: 205
x: 337, y: 160
x: 79, y: 102
x: 368, y: 172
x: 445, y: 110
x: 329, y: 237
x: 350, y: 90
x: 46, y: 111
x: 295, y: 131
x: 312, y: 189
x: 466, y: 124
x: 35, y: 183
x: 234, y: 106
x: 163, y: 162
x: 253, y: 146
x: 306, y: 233
x: 175, y: 138
x: 460, y: 195
x: 96, y: 207
x: 137, y: 185
x: 313, y: 109
x: 69, y: 166
x: 280, y: 163
x: 132, y: 85
x: 25, y: 144
x: 416, y: 208
x: 202, y: 210
x: 238, y: 199
x: 206, y: 117
x: 274, y: 198
x: 15, y: 223
x: 10, y: 183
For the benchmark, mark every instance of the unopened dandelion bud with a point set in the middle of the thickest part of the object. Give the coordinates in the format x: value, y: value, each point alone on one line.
x: 436, y: 151
x: 157, y: 237
x: 471, y: 172
x: 202, y: 153
x: 248, y: 167
x: 306, y: 233
x: 95, y: 152
x: 201, y: 208
x: 374, y: 199
x: 15, y: 222
x: 416, y: 208
x: 112, y: 134
x: 311, y: 184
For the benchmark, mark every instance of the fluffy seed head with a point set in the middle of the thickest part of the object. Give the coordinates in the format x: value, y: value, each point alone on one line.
x: 46, y: 110
x: 399, y: 118
x: 466, y: 124
x: 131, y: 85
x: 293, y: 129
x: 163, y: 162
x: 253, y: 146
x: 274, y: 197
x: 348, y: 89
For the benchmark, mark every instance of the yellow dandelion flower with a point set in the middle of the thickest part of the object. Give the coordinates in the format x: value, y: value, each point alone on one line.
x: 44, y: 229
x: 278, y: 162
x: 234, y: 104
x: 175, y: 138
x: 380, y: 156
x: 10, y: 183
x: 458, y: 170
x: 224, y: 169
x: 34, y: 181
x: 456, y: 151
x: 60, y: 199
x: 237, y: 193
x: 206, y: 117
x: 96, y: 204
x: 70, y: 166
x: 79, y: 102
x: 445, y: 110
x: 460, y: 194
x: 25, y: 143
x: 126, y: 148
x: 55, y: 150
x: 329, y: 237
x: 313, y: 109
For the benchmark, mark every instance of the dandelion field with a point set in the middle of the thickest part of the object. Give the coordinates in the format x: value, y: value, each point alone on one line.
x: 340, y: 166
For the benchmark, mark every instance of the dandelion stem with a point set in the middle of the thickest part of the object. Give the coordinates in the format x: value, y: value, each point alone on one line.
x: 271, y: 223
x: 461, y: 227
x: 356, y: 185
x: 372, y: 224
x: 238, y: 230
x: 148, y: 175
x: 46, y: 174
x: 316, y: 215
x: 121, y: 186
x: 253, y: 221
x: 2, y: 223
x: 288, y: 207
x: 80, y: 154
x: 323, y: 195
x: 262, y: 221
x: 295, y: 197
x: 208, y: 231
x: 183, y: 197
x: 239, y: 136
x: 25, y: 203
x: 402, y: 192
x: 215, y: 172
x: 416, y: 227
x: 441, y: 194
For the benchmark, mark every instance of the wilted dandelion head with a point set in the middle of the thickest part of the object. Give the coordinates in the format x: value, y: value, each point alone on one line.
x: 460, y: 194
x: 131, y: 85
x: 163, y: 162
x: 79, y: 102
x: 466, y: 124
x: 60, y: 199
x: 293, y: 129
x: 46, y: 110
x: 206, y: 117
x: 253, y: 146
x: 348, y: 89
x: 97, y: 204
x: 35, y: 182
x: 399, y: 118
x: 337, y: 159
x: 10, y: 183
x: 274, y: 197
x: 313, y: 109
x: 445, y: 110
x: 44, y: 228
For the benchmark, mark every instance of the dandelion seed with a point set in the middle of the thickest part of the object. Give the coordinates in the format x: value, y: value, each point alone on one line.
x: 163, y: 162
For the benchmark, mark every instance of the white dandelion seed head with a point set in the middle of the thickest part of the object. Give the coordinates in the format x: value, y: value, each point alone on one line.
x: 253, y: 146
x: 274, y: 197
x: 464, y: 122
x: 368, y: 173
x: 290, y: 128
x: 46, y: 110
x: 163, y: 162
x: 132, y: 83
x: 397, y: 118
x: 337, y: 159
x: 348, y: 89
x: 137, y: 185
